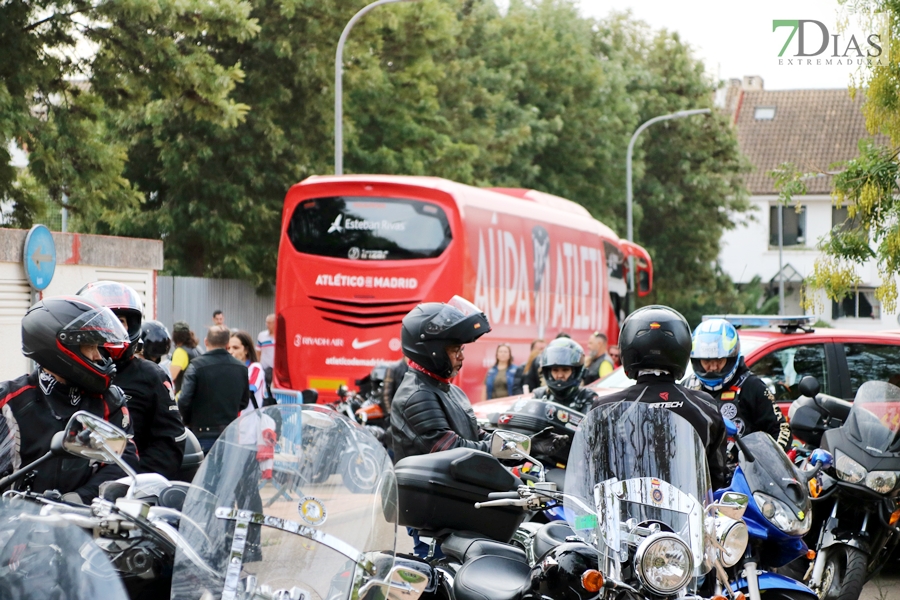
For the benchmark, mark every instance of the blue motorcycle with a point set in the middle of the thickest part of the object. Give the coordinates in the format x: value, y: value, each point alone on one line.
x: 778, y: 515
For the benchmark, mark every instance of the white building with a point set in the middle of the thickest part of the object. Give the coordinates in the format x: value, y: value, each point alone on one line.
x: 812, y: 129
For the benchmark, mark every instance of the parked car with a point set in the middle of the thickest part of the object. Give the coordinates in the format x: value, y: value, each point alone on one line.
x: 782, y: 350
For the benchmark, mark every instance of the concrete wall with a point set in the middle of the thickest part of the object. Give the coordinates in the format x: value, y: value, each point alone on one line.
x: 80, y: 259
x: 746, y: 252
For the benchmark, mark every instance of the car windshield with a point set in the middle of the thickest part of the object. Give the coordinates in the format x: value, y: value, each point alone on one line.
x: 619, y: 380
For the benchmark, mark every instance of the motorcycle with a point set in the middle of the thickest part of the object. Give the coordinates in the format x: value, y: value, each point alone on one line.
x: 367, y: 407
x: 44, y: 556
x: 859, y: 494
x: 778, y: 514
x: 268, y: 533
x: 134, y: 522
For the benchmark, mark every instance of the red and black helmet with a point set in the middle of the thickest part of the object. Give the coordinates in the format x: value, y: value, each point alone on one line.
x: 54, y: 329
x: 125, y: 302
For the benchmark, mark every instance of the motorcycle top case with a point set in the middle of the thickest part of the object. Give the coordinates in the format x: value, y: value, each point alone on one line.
x: 439, y: 491
x: 529, y: 416
x: 811, y: 417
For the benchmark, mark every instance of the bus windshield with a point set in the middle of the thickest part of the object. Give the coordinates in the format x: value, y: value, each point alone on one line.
x: 369, y: 228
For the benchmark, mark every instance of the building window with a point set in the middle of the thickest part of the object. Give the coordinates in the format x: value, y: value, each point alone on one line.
x: 840, y: 217
x: 764, y: 113
x: 861, y: 304
x: 794, y: 226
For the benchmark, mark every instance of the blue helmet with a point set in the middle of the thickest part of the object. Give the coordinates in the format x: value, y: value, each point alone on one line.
x: 716, y: 338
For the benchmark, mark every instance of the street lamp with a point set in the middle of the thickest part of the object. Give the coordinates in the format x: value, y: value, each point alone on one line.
x: 339, y: 85
x: 629, y: 216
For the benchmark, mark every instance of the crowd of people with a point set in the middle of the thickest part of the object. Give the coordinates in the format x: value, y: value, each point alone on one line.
x: 506, y: 378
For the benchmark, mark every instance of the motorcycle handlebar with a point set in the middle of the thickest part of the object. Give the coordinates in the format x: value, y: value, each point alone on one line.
x: 503, y: 495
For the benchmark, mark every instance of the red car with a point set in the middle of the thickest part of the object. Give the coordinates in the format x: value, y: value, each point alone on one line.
x: 782, y: 350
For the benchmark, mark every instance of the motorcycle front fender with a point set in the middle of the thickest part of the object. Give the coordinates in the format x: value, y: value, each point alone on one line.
x: 774, y: 581
x: 855, y: 539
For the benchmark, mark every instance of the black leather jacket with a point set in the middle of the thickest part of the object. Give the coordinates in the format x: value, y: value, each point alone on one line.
x: 747, y: 401
x: 695, y: 406
x: 36, y: 406
x: 581, y: 401
x: 429, y: 416
x: 158, y: 429
x: 216, y: 390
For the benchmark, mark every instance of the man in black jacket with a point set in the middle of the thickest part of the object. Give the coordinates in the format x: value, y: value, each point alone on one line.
x: 656, y: 345
x: 428, y: 413
x: 562, y: 367
x: 741, y: 396
x: 216, y: 389
x: 73, y: 341
x: 158, y: 429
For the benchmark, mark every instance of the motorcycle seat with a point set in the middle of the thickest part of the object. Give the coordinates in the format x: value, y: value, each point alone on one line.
x: 463, y: 546
x: 491, y: 578
x: 550, y: 536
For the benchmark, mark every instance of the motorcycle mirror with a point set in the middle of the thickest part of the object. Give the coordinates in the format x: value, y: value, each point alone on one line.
x: 510, y: 445
x: 809, y: 386
x: 88, y: 436
x: 823, y: 457
x: 732, y: 505
x: 403, y: 584
x: 730, y: 427
x: 310, y: 396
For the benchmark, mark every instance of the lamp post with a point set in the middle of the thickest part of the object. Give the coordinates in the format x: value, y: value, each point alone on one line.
x: 629, y: 213
x: 339, y: 84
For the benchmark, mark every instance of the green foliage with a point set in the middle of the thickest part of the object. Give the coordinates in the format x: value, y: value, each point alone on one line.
x: 74, y: 74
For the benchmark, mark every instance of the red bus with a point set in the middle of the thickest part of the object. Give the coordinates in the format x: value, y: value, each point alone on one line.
x: 357, y: 253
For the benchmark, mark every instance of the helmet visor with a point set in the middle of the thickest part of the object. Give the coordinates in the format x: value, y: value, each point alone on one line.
x: 453, y: 312
x: 562, y: 356
x: 98, y: 326
x: 464, y: 306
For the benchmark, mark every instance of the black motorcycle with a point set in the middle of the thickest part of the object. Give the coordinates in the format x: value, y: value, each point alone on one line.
x: 857, y: 503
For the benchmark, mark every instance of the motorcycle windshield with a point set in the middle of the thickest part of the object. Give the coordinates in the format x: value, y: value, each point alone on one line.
x: 773, y: 473
x: 290, y: 500
x: 874, y: 420
x: 634, y: 468
x: 49, y: 557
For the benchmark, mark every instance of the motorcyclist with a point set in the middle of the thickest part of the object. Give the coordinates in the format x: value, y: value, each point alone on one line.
x: 562, y: 367
x: 158, y: 429
x: 741, y: 396
x: 428, y: 413
x: 655, y: 342
x: 73, y: 341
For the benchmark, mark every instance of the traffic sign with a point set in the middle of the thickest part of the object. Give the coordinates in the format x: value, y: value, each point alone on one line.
x: 39, y: 257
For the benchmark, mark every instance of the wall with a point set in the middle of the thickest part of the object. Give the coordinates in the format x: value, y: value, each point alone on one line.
x: 745, y: 252
x: 80, y: 260
x: 193, y: 299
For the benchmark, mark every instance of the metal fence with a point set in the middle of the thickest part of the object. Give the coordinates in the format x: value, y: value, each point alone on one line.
x: 193, y: 299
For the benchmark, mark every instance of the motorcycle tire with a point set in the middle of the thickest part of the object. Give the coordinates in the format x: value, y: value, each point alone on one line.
x: 844, y: 574
x: 359, y: 471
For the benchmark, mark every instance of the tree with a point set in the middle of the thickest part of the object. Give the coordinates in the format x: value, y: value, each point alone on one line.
x: 688, y: 172
x: 868, y: 184
x: 73, y: 72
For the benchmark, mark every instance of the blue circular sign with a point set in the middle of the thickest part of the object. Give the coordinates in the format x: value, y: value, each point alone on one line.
x: 39, y: 257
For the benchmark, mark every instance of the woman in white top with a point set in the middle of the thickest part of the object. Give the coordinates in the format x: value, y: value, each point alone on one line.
x: 242, y: 348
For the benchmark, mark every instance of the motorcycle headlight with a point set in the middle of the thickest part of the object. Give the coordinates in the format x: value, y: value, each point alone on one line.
x: 881, y: 481
x: 848, y: 469
x: 781, y: 516
x: 733, y: 538
x: 664, y: 563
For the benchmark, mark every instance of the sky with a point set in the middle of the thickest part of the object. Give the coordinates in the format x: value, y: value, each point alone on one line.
x: 735, y: 39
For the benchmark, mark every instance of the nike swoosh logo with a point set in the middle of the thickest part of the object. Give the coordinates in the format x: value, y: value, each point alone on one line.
x: 358, y: 345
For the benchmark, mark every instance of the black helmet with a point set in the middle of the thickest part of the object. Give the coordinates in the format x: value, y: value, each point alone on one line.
x: 430, y: 327
x: 563, y: 352
x: 655, y: 337
x: 156, y: 340
x: 54, y: 329
x: 124, y: 302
